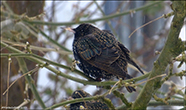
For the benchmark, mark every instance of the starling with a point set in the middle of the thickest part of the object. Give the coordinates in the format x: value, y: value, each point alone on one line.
x: 89, y: 105
x: 100, y: 55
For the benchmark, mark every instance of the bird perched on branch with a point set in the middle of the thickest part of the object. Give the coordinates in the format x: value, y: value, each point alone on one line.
x: 100, y: 55
x: 89, y: 105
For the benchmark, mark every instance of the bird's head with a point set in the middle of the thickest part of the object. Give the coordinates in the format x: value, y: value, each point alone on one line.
x: 80, y: 94
x: 82, y: 30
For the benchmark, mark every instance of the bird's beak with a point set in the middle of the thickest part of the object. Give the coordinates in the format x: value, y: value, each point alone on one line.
x: 68, y: 29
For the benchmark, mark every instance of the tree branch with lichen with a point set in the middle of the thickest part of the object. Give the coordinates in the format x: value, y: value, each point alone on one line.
x: 173, y: 47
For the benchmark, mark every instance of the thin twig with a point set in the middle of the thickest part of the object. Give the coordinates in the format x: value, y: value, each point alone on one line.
x: 8, y: 77
x: 31, y: 71
x: 113, y: 86
x: 26, y: 101
x: 35, y: 47
x: 163, y: 16
x: 148, y: 80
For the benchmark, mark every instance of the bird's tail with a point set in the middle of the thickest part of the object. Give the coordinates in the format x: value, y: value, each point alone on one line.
x: 134, y: 64
x: 129, y: 59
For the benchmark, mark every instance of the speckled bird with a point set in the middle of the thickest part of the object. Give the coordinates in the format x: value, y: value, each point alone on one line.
x: 89, y: 105
x: 100, y: 55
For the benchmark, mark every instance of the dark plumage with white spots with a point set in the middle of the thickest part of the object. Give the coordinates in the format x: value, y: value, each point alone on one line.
x: 87, y: 105
x: 100, y: 55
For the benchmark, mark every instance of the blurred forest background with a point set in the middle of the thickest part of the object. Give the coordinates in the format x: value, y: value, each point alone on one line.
x: 33, y: 27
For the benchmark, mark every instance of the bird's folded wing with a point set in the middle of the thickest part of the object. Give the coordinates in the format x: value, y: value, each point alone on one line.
x: 96, y: 52
x: 124, y: 49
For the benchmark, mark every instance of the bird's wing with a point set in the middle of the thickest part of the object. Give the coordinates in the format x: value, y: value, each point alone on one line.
x: 125, y: 50
x: 129, y: 59
x: 96, y: 52
x: 108, y: 31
